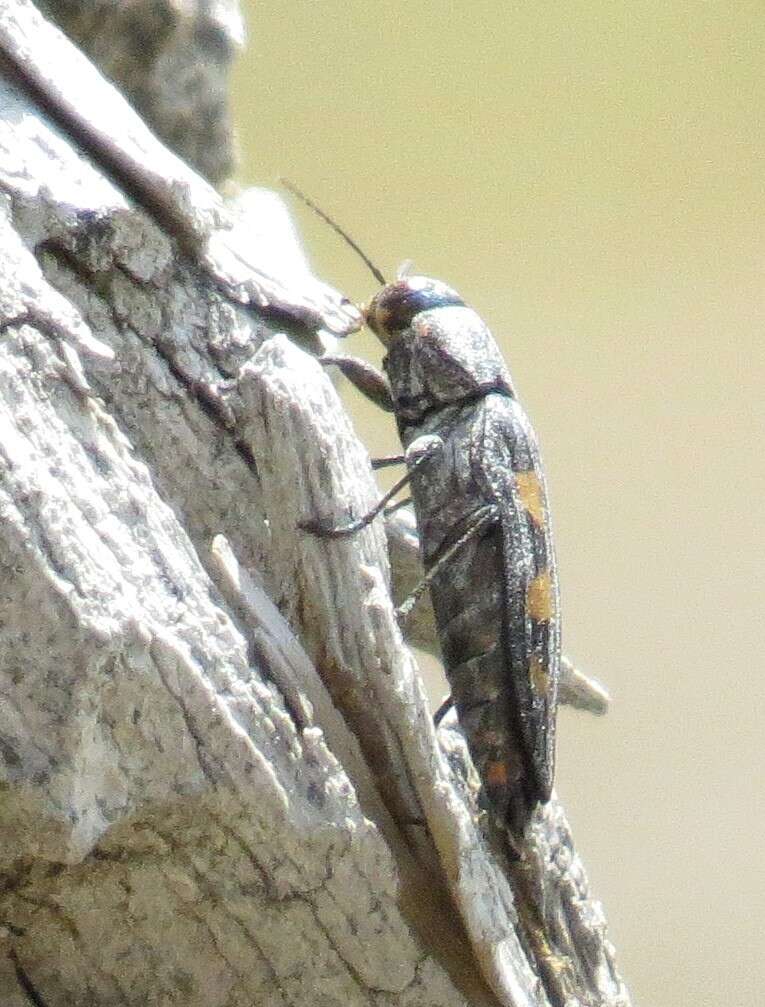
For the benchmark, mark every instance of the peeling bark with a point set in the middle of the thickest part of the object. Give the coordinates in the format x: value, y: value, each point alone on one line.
x: 220, y: 780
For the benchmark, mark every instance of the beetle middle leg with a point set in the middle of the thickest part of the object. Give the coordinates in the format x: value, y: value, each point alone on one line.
x: 419, y: 452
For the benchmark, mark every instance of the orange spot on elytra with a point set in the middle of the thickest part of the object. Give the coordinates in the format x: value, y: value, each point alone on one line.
x: 539, y: 675
x: 496, y: 774
x: 539, y: 597
x: 530, y: 491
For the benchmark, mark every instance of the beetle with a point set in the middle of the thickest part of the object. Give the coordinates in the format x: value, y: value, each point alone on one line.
x: 480, y: 501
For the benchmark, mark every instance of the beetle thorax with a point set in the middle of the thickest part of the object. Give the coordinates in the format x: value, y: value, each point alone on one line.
x: 439, y: 350
x: 446, y: 356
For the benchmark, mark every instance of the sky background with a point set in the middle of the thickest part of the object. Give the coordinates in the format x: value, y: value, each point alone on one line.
x: 590, y: 177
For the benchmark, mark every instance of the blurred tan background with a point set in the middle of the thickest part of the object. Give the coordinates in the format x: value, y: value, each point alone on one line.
x: 590, y: 176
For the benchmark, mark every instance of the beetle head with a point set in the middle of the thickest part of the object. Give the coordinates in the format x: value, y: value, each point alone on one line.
x: 440, y: 352
x: 392, y: 309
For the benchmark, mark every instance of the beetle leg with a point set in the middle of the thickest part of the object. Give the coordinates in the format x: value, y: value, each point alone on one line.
x: 421, y: 450
x: 479, y: 520
x: 397, y: 505
x: 443, y: 709
x: 381, y: 463
x: 364, y: 376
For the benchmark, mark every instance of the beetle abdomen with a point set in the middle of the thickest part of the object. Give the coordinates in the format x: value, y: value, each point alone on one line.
x: 495, y: 602
x: 476, y: 663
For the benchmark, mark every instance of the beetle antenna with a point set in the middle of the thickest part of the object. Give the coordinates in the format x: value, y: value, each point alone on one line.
x: 337, y: 229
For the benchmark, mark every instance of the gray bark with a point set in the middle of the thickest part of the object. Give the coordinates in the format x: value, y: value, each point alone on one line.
x: 171, y: 60
x: 221, y: 784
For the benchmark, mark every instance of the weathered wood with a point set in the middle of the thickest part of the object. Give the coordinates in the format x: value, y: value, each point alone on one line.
x: 172, y: 61
x: 221, y: 784
x: 63, y: 85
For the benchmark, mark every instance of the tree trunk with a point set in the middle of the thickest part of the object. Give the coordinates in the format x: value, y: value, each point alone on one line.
x: 221, y: 783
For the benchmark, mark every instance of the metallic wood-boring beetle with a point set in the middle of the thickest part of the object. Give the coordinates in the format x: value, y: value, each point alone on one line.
x: 480, y: 500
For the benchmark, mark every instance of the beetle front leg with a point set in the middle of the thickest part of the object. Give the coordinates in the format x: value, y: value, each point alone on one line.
x: 364, y: 376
